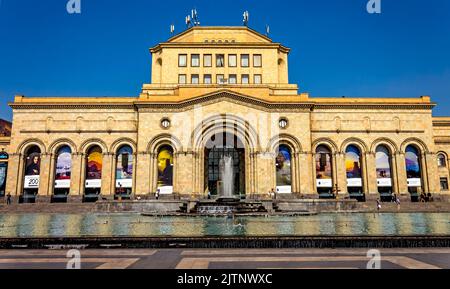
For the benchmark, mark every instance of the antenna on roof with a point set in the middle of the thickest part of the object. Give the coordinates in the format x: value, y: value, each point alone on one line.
x: 188, y: 21
x: 172, y: 29
x: 195, y: 19
x: 267, y: 30
x: 246, y: 18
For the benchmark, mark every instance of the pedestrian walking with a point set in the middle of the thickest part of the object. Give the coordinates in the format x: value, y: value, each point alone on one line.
x: 378, y: 205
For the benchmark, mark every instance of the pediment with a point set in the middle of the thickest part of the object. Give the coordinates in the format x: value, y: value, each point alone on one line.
x: 226, y: 96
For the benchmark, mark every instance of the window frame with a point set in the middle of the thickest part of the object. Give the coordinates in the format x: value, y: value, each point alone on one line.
x: 217, y: 60
x: 443, y: 180
x: 260, y: 78
x: 235, y: 60
x: 260, y: 60
x: 210, y: 78
x: 192, y: 60
x: 192, y: 78
x: 179, y: 60
x: 242, y: 60
x: 217, y: 78
x: 179, y: 78
x: 205, y: 62
x: 230, y: 76
x: 248, y: 79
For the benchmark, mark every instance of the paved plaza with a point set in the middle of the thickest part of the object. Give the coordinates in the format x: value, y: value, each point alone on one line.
x: 435, y: 258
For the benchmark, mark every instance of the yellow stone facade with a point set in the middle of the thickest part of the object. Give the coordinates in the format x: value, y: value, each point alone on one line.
x: 252, y: 111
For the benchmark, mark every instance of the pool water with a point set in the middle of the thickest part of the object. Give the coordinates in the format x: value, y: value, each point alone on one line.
x: 359, y: 224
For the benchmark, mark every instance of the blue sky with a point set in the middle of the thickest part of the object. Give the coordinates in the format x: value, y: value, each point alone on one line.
x: 337, y: 47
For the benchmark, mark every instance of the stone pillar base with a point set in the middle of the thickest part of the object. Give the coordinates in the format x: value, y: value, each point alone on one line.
x: 43, y: 199
x: 74, y: 199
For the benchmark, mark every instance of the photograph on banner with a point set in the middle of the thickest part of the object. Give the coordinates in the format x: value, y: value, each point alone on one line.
x: 124, y: 167
x: 165, y: 170
x: 63, y: 168
x: 383, y: 165
x: 353, y: 166
x: 324, y: 173
x: 283, y: 169
x: 94, y: 168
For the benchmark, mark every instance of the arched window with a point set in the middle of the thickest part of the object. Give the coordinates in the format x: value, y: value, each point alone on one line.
x: 324, y: 170
x: 165, y: 170
x: 384, y: 172
x: 353, y: 171
x: 442, y: 162
x: 283, y: 169
x: 63, y: 173
x: 94, y: 164
x: 3, y: 172
x: 413, y: 171
x: 124, y: 171
x: 31, y: 176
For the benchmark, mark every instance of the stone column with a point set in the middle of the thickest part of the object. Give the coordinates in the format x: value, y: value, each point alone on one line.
x: 142, y: 177
x: 371, y: 174
x: 307, y: 179
x: 183, y: 168
x: 76, y: 178
x: 401, y: 173
x: 14, y: 177
x: 44, y: 186
x: 341, y: 177
x: 106, y: 175
x: 432, y: 173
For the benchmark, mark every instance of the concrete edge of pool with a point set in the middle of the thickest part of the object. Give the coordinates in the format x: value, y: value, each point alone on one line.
x: 228, y: 242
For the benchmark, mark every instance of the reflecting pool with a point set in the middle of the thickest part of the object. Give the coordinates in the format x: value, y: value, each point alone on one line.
x: 364, y: 224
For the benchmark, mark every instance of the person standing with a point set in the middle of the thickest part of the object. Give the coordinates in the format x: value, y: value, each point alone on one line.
x: 397, y: 201
x: 8, y: 199
x: 378, y: 205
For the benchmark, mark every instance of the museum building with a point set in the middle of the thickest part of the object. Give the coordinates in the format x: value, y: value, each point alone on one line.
x: 222, y: 95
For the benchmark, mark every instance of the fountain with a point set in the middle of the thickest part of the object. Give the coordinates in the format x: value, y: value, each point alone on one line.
x: 227, y: 202
x: 225, y: 187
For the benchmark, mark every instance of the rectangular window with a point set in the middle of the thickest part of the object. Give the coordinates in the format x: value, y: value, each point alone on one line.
x: 232, y: 60
x: 182, y: 60
x: 207, y: 60
x: 194, y: 79
x: 195, y: 60
x: 220, y: 60
x: 232, y: 79
x: 444, y: 184
x: 245, y: 79
x: 182, y: 79
x: 245, y: 61
x: 257, y: 79
x: 257, y: 60
x: 220, y: 79
x: 207, y: 79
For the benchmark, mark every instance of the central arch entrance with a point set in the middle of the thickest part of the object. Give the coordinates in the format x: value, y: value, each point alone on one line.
x: 219, y: 147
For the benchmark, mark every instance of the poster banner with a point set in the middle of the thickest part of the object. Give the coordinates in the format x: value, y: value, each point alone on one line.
x: 3, y: 170
x: 284, y: 189
x: 165, y: 169
x: 94, y: 168
x: 355, y: 182
x: 124, y: 183
x: 31, y: 182
x: 414, y: 182
x: 63, y: 168
x: 283, y: 167
x: 324, y: 183
x: 384, y: 182
x: 124, y: 169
